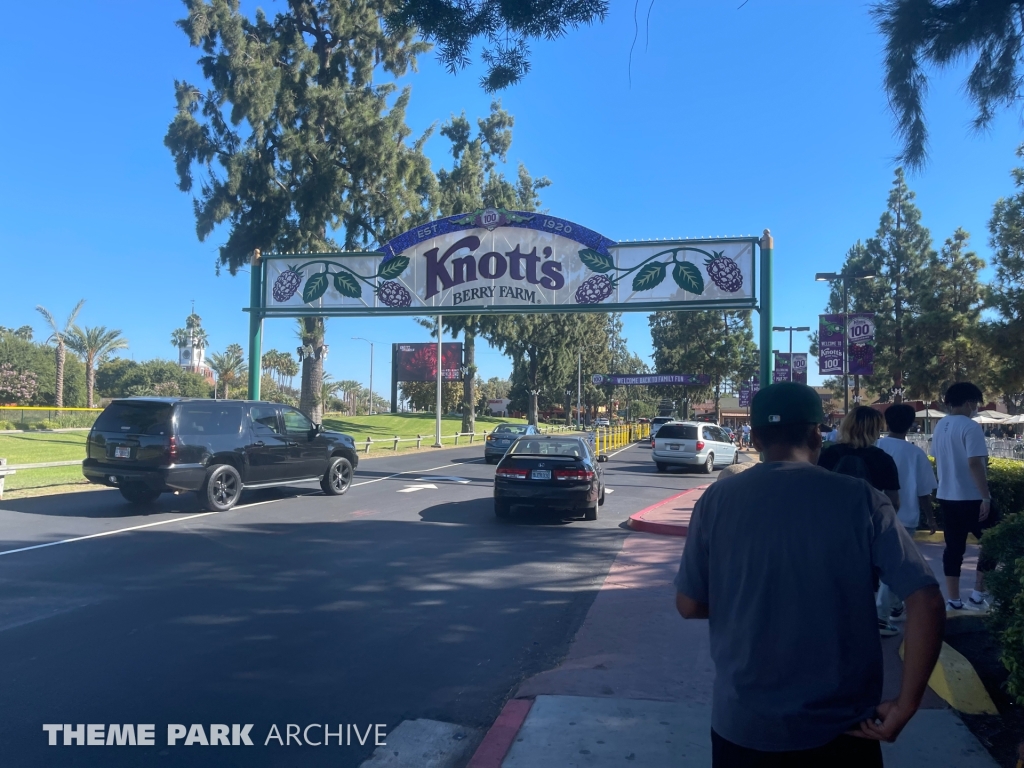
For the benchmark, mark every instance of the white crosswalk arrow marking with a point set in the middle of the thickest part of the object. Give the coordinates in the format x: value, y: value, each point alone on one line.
x: 420, y: 487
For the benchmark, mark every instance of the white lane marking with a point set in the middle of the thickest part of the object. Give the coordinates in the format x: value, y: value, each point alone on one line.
x: 445, y: 479
x: 206, y: 514
x: 622, y: 449
x: 609, y: 490
x: 419, y: 487
x: 417, y: 471
x: 152, y: 525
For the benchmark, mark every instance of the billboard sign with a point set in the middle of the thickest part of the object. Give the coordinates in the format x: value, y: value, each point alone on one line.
x: 831, y: 337
x: 648, y: 379
x: 498, y: 261
x: 860, y: 333
x: 418, y: 362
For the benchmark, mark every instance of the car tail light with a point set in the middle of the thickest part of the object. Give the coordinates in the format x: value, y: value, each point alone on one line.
x: 700, y: 445
x: 172, y: 449
x: 512, y: 473
x: 573, y: 474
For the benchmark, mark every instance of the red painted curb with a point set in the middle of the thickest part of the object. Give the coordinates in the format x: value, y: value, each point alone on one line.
x: 637, y: 523
x: 499, y: 738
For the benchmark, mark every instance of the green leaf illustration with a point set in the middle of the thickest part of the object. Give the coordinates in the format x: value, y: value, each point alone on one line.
x: 515, y: 218
x: 392, y: 268
x: 649, y: 276
x: 688, y: 277
x: 468, y: 219
x: 346, y: 284
x: 596, y: 262
x: 315, y: 287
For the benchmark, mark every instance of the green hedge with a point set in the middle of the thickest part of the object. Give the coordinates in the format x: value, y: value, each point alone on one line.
x: 1005, y: 544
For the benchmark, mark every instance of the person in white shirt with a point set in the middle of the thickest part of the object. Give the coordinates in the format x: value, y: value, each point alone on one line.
x: 961, y: 457
x: 917, y: 481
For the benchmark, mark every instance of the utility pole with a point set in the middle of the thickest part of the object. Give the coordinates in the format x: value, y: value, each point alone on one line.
x: 369, y: 407
x: 440, y: 362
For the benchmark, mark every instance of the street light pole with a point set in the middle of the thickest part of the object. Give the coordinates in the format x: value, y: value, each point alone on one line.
x: 790, y: 328
x: 846, y: 277
x: 369, y: 407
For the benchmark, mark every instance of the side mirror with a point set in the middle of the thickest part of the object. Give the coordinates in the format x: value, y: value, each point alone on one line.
x: 602, y: 457
x: 317, y: 428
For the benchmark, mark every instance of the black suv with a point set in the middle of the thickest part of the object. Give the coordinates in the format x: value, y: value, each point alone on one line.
x: 145, y: 446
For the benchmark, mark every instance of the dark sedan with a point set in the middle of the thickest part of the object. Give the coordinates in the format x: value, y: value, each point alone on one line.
x: 549, y: 471
x: 501, y: 438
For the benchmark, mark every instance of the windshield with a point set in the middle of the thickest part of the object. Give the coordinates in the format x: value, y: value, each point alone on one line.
x: 141, y: 418
x: 565, y: 448
x: 514, y: 429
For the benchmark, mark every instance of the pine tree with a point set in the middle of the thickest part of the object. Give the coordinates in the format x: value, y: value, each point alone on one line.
x: 947, y: 343
x: 899, y: 253
x: 294, y: 145
x: 1006, y: 291
x: 474, y: 182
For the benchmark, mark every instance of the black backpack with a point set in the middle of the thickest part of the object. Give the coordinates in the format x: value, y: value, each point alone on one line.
x: 853, y: 465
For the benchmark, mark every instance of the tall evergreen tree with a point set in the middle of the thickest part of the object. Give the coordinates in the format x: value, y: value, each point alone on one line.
x: 947, y: 344
x: 475, y: 182
x: 1006, y: 291
x: 294, y: 145
x: 899, y: 253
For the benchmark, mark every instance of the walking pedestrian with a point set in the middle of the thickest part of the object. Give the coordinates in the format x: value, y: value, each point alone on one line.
x: 793, y: 687
x: 917, y: 481
x: 858, y: 433
x: 961, y: 457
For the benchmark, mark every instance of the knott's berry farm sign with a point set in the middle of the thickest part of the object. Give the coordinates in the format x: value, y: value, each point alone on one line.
x: 498, y: 261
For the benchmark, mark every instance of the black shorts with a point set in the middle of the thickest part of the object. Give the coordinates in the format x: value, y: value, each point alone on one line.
x: 960, y: 518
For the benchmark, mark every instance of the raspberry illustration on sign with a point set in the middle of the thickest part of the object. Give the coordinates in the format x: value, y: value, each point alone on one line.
x: 651, y: 272
x: 345, y: 281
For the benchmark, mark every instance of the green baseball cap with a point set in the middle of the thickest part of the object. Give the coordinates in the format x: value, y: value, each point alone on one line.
x: 786, y: 403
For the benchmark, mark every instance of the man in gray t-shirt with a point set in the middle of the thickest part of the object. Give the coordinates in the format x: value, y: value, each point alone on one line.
x: 780, y: 558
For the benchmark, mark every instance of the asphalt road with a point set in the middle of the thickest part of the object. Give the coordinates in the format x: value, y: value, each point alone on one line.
x: 396, y: 601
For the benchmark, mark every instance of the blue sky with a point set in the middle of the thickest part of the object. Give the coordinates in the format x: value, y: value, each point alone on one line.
x: 730, y: 120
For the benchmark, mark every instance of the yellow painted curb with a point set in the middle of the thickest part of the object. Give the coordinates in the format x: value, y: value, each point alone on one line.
x: 956, y: 683
x: 938, y: 537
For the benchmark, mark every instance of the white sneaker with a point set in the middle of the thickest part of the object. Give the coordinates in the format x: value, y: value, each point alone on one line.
x: 977, y: 605
x: 955, y: 605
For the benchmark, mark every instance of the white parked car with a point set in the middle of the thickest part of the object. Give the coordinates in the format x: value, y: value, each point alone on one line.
x: 692, y: 444
x: 657, y: 423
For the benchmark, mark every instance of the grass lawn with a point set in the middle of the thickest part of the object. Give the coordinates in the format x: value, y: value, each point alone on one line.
x: 36, y: 448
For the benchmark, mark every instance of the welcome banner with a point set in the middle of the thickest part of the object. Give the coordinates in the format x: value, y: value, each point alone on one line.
x: 831, y: 338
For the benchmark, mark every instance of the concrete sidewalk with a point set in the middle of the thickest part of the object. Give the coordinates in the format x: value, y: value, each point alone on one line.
x: 635, y: 687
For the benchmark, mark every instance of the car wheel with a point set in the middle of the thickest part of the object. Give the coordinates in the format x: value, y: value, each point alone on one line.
x: 591, y: 513
x: 338, y: 477
x: 661, y: 467
x: 222, y: 489
x: 502, y: 509
x: 600, y: 502
x: 709, y: 464
x: 139, y: 495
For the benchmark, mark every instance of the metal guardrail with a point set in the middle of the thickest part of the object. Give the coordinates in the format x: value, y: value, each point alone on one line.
x: 998, y: 448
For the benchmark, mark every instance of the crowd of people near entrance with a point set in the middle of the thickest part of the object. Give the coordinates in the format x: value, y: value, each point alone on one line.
x: 802, y: 562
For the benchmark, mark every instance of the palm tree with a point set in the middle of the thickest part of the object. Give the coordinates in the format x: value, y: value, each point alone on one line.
x: 192, y: 332
x: 94, y: 345
x: 229, y: 367
x: 59, y: 336
x: 328, y: 389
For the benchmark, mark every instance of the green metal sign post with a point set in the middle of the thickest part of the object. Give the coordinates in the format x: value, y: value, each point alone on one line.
x: 512, y: 262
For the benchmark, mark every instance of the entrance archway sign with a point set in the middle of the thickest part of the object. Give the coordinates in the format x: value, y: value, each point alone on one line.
x: 495, y: 261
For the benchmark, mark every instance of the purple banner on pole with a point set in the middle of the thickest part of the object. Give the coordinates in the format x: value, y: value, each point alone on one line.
x: 781, y: 367
x: 800, y: 367
x: 830, y: 345
x: 648, y: 379
x: 860, y: 330
x: 745, y: 396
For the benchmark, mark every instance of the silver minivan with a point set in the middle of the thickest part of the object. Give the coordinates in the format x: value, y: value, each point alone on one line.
x: 692, y: 444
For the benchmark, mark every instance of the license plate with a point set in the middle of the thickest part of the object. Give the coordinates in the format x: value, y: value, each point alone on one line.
x: 503, y: 442
x: 541, y: 474
x: 122, y: 452
x: 673, y: 447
